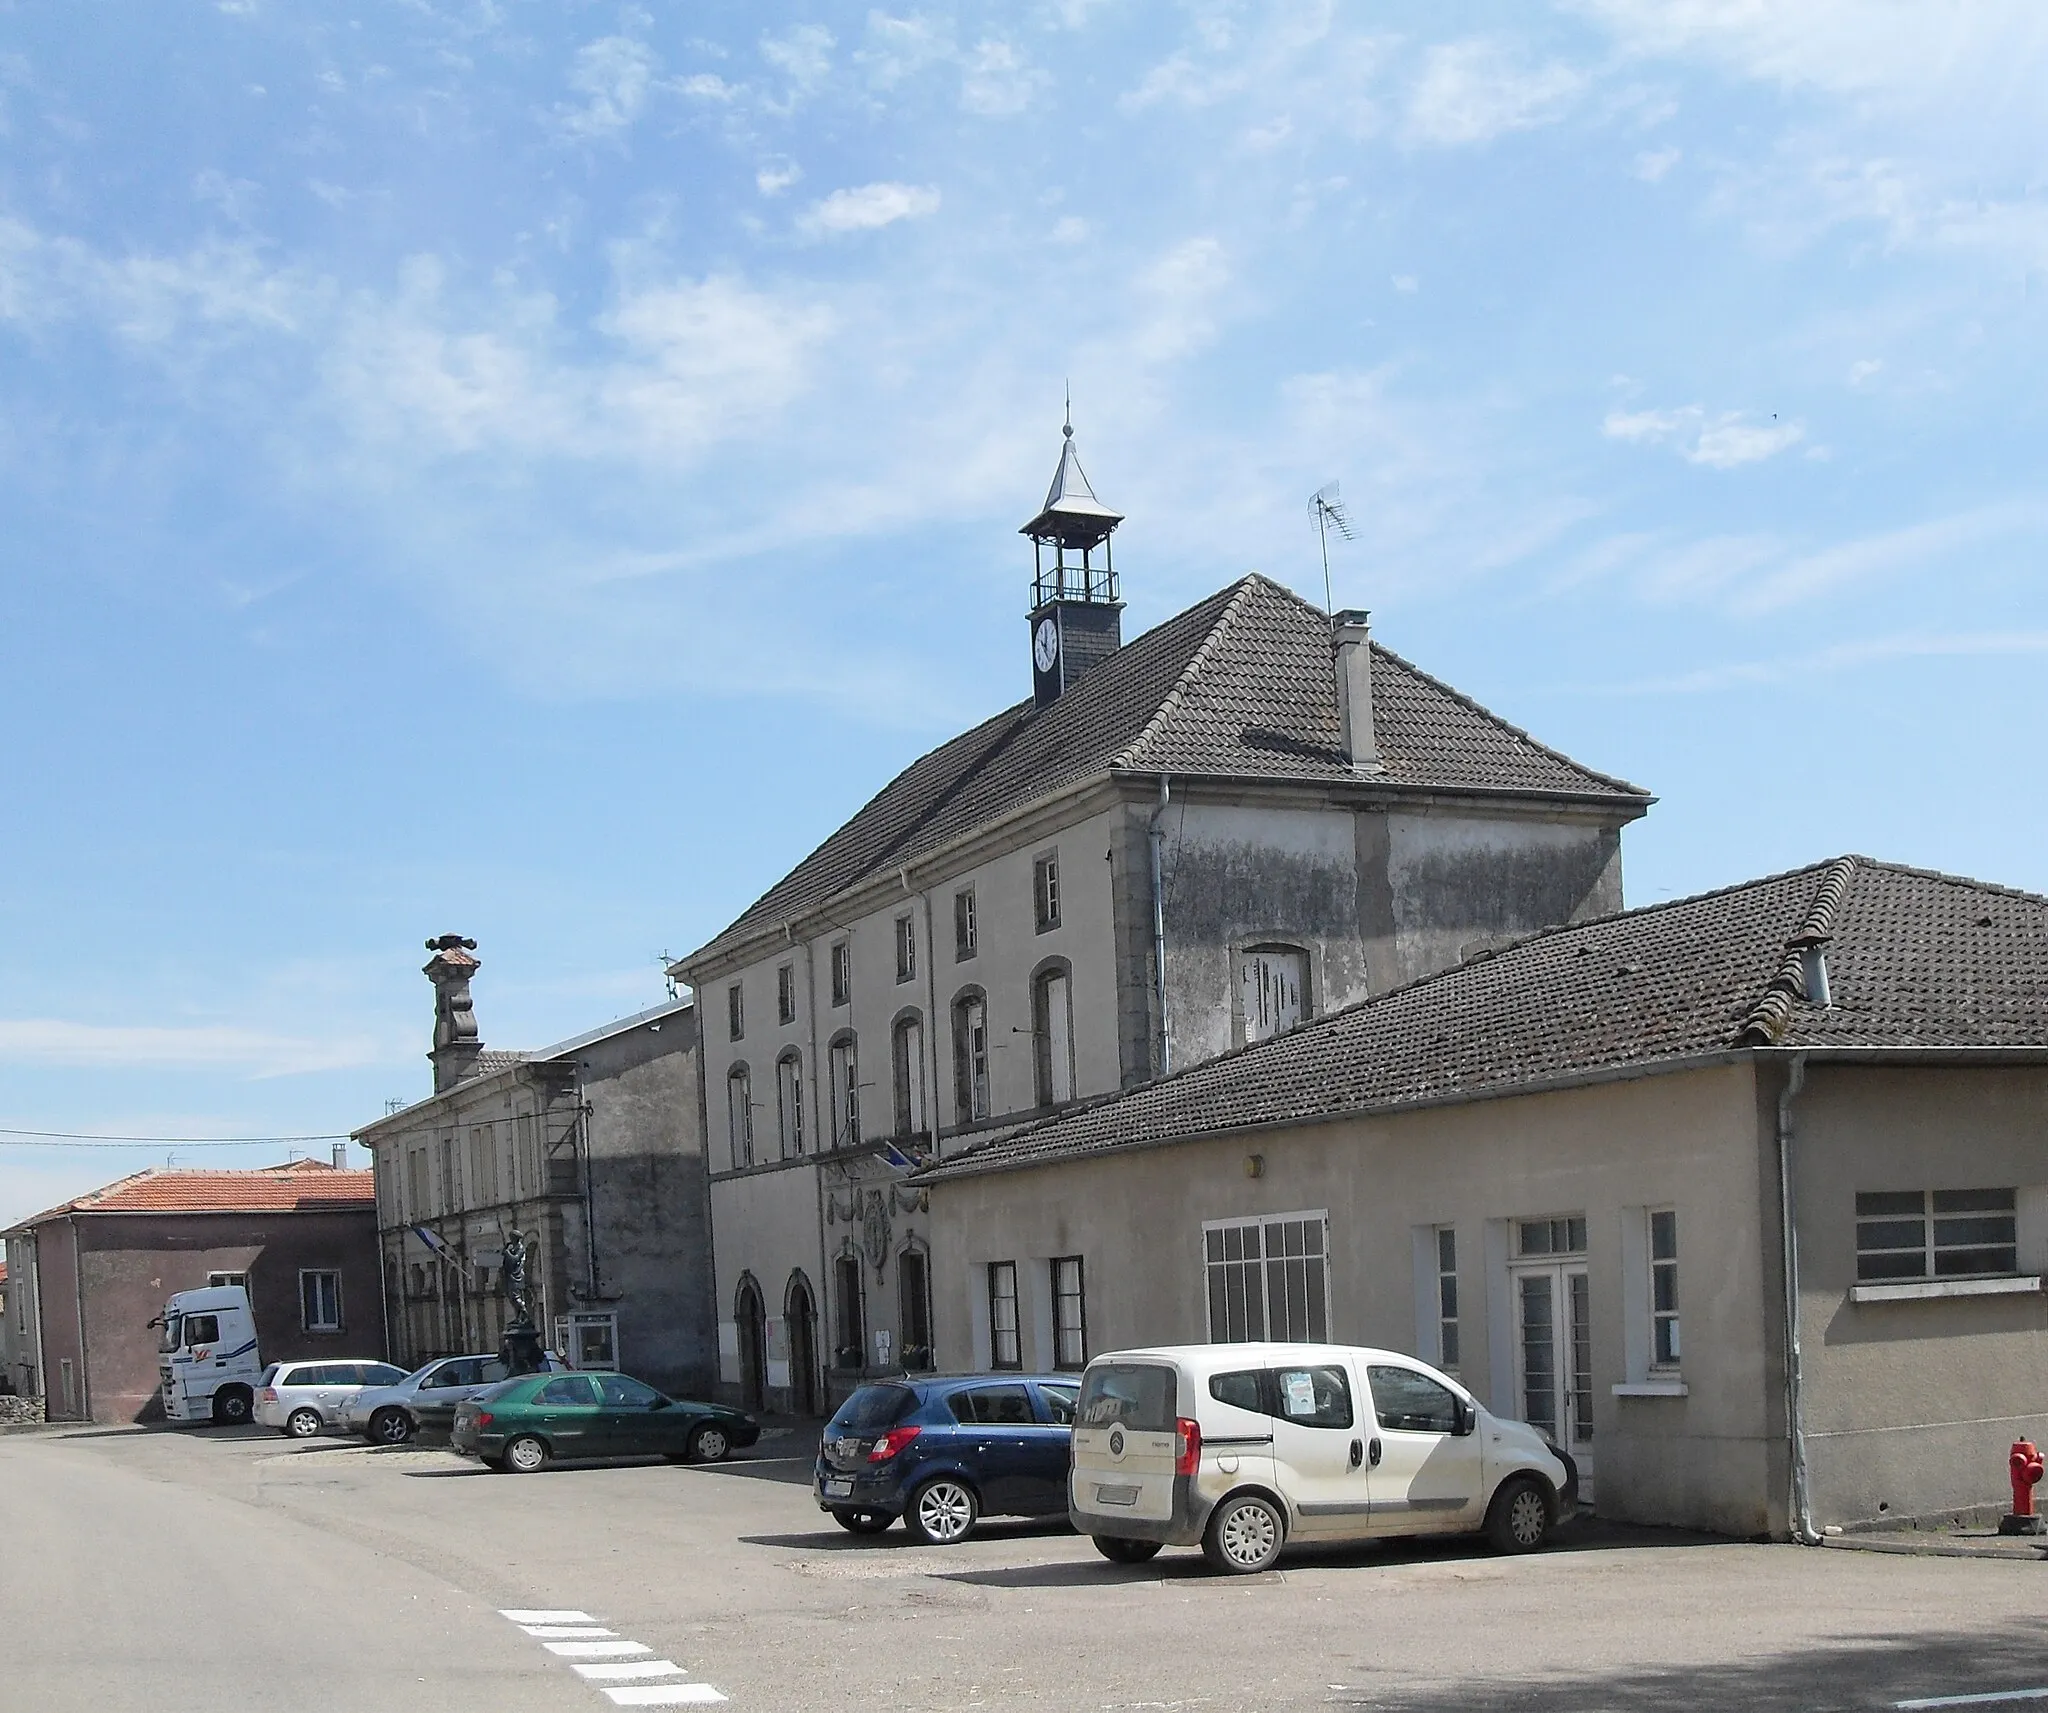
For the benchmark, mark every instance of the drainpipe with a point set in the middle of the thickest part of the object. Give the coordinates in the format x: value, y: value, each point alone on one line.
x: 1799, y: 1498
x: 589, y: 1191
x: 1157, y: 837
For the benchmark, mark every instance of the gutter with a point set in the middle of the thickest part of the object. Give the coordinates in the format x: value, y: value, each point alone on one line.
x: 1799, y: 1506
x: 1155, y: 837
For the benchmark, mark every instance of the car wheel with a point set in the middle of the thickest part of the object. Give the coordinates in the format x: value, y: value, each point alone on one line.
x: 391, y: 1427
x: 709, y: 1443
x: 862, y: 1522
x: 232, y: 1407
x: 942, y: 1511
x: 1245, y: 1535
x: 302, y: 1424
x: 1122, y: 1550
x: 1519, y: 1519
x: 525, y: 1455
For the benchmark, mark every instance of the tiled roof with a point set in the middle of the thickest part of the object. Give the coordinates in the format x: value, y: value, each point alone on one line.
x: 1914, y: 960
x: 1238, y: 686
x: 300, y: 1186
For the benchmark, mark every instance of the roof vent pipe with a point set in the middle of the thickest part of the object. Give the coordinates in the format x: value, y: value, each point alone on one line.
x: 1351, y: 646
x: 341, y: 1156
x: 1813, y: 970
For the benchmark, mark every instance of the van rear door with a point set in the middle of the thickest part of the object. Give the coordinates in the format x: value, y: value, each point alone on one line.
x: 1124, y: 1439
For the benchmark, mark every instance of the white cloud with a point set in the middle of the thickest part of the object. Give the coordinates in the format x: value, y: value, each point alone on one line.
x: 900, y: 48
x: 865, y: 207
x: 613, y: 75
x: 802, y: 54
x: 998, y: 81
x: 1070, y: 229
x: 48, y: 1041
x: 1652, y: 164
x: 1407, y: 284
x: 1720, y: 442
x: 1838, y: 657
x: 772, y: 178
x: 1475, y: 90
x: 707, y: 86
x: 1178, y: 296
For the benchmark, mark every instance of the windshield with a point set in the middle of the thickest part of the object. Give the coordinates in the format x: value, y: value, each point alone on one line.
x: 173, y: 1327
x: 873, y: 1409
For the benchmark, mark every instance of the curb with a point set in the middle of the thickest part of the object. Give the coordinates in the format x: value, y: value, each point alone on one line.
x: 2012, y: 1552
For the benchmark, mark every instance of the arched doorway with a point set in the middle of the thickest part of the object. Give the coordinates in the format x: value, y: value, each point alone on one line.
x: 800, y: 1315
x: 753, y: 1327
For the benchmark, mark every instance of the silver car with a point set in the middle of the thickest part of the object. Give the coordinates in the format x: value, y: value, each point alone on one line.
x: 425, y: 1399
x: 304, y: 1398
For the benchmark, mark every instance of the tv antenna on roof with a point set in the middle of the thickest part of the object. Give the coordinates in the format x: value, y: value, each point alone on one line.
x: 1328, y: 506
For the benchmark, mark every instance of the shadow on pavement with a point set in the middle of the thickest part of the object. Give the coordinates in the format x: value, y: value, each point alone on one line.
x: 1852, y: 1677
x: 896, y: 1538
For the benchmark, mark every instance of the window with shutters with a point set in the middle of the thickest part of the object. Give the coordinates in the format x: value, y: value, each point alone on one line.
x: 1052, y: 1036
x: 739, y: 1112
x: 1272, y: 982
x: 842, y: 972
x: 785, y: 994
x: 906, y: 948
x: 970, y: 1058
x: 966, y: 930
x: 789, y: 1104
x: 1045, y: 891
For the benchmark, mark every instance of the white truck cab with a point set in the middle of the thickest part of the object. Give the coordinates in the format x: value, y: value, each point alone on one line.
x: 1242, y: 1448
x: 207, y: 1358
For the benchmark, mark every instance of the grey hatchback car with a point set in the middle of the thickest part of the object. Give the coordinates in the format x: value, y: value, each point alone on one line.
x: 424, y: 1401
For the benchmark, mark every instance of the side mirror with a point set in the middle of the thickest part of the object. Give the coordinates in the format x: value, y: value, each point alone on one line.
x: 1468, y: 1417
x: 661, y: 1403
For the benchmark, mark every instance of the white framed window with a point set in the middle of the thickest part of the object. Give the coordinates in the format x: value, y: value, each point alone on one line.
x: 906, y: 948
x: 242, y: 1279
x: 966, y: 928
x: 1004, y: 1350
x: 785, y: 994
x: 970, y: 1058
x: 1045, y: 891
x: 1908, y: 1235
x: 1268, y: 1278
x: 844, y: 1064
x: 735, y: 1012
x: 1069, y: 1314
x: 789, y: 1104
x: 842, y: 972
x: 739, y: 1115
x: 1664, y: 1340
x: 1052, y: 1037
x: 1447, y: 1298
x: 906, y: 1073
x: 319, y: 1300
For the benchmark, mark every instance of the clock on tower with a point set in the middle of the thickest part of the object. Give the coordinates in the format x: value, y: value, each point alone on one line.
x: 1076, y: 615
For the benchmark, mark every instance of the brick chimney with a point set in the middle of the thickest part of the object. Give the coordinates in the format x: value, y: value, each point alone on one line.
x: 456, y: 1043
x: 1351, y: 645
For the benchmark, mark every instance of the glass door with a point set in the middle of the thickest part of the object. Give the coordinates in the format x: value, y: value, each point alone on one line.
x: 1554, y: 1339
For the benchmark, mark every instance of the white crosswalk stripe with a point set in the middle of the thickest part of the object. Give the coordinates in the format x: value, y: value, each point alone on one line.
x: 610, y: 1663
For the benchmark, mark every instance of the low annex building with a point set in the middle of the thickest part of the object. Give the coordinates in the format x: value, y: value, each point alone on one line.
x: 1249, y: 815
x: 1578, y: 1173
x: 592, y: 1149
x: 87, y: 1277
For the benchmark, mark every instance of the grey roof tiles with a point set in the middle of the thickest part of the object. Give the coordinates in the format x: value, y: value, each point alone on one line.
x: 1239, y: 686
x: 1915, y: 960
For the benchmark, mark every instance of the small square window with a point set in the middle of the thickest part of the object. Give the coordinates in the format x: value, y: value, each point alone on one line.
x: 842, y: 972
x: 785, y: 994
x: 735, y: 1011
x: 966, y: 932
x: 1045, y: 891
x: 906, y: 948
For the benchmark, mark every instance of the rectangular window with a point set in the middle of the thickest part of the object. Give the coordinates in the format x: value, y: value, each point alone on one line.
x: 789, y: 1105
x: 1045, y: 891
x: 1003, y: 1348
x: 914, y: 1309
x: 1447, y: 1298
x: 1268, y: 1279
x: 1069, y: 1314
x: 241, y: 1279
x: 735, y: 1012
x: 785, y: 994
x: 320, y: 1301
x: 906, y: 949
x: 1271, y: 981
x: 966, y: 934
x: 1663, y: 1288
x: 1935, y: 1234
x: 842, y: 972
x: 1565, y: 1236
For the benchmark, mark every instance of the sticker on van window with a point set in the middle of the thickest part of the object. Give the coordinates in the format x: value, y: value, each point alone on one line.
x: 1298, y: 1388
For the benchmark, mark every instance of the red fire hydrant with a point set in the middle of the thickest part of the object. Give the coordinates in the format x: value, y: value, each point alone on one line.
x: 2027, y: 1466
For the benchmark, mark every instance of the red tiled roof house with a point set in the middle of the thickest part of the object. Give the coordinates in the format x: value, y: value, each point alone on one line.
x: 87, y: 1276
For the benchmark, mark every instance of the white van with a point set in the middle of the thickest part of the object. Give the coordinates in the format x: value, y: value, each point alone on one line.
x: 1240, y: 1448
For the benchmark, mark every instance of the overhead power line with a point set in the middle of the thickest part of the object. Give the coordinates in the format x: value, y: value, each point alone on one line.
x: 83, y: 1139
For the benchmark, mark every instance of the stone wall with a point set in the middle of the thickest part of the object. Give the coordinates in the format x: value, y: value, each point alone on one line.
x: 14, y: 1411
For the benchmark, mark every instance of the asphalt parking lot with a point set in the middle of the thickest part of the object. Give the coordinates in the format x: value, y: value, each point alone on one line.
x: 135, y: 1558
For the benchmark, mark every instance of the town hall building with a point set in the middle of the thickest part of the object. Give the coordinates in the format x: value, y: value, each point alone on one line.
x: 1248, y: 816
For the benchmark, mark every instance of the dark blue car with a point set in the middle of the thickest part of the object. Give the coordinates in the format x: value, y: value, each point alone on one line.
x: 945, y: 1451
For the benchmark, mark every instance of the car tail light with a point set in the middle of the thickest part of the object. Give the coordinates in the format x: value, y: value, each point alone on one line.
x: 892, y: 1442
x: 268, y: 1394
x: 483, y: 1418
x: 1187, y: 1446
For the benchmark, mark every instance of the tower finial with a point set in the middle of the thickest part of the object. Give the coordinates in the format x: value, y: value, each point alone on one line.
x: 1068, y: 429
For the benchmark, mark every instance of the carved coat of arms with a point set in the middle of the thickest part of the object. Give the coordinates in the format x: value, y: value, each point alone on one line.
x: 874, y: 1229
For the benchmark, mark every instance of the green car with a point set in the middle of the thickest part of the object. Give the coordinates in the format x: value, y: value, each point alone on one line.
x: 525, y: 1424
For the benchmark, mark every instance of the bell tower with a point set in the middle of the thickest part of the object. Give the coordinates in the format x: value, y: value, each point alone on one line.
x: 1076, y: 614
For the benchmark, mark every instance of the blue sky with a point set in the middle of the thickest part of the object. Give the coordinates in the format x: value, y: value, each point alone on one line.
x: 532, y: 470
